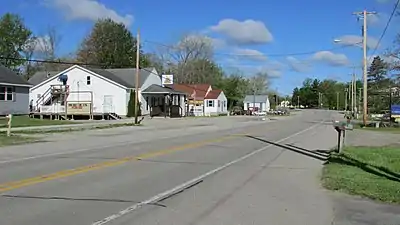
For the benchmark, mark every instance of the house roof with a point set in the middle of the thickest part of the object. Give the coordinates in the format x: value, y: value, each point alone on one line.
x: 213, y: 94
x: 161, y: 90
x: 8, y: 76
x: 202, y: 87
x: 124, y: 77
x: 192, y: 91
x: 256, y: 98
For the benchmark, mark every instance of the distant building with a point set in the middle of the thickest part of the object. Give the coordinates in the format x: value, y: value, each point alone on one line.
x: 14, y: 93
x: 203, y: 100
x: 258, y: 103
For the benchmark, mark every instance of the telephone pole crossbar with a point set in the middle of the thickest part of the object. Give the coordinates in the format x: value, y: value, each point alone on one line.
x: 364, y: 14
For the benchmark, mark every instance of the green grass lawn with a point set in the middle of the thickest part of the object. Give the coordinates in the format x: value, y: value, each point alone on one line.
x: 372, y: 172
x: 15, y: 140
x: 26, y: 121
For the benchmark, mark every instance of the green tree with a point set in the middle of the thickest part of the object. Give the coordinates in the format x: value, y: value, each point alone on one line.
x: 132, y: 106
x: 14, y: 36
x: 378, y: 86
x: 377, y: 74
x: 234, y: 87
x: 110, y: 45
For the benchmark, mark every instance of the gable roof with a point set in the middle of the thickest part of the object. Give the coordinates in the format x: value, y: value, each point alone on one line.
x: 213, y: 94
x: 9, y: 77
x: 192, y: 91
x: 125, y: 77
x: 154, y: 88
x: 202, y: 87
x: 258, y: 98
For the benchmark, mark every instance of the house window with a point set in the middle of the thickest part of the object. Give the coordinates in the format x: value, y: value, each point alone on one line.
x: 88, y: 80
x: 248, y: 106
x: 225, y: 104
x: 6, y: 93
x: 219, y: 103
x: 210, y: 103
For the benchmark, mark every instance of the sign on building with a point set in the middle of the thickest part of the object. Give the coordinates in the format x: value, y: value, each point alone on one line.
x: 81, y: 108
x: 167, y: 79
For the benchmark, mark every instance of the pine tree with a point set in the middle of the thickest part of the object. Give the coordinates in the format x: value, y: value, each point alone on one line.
x: 377, y: 73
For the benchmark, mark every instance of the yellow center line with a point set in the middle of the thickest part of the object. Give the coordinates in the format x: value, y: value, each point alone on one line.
x: 84, y: 169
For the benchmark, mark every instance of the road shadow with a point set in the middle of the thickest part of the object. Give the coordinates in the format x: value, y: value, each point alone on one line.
x: 375, y: 170
x: 73, y: 199
x: 317, y: 154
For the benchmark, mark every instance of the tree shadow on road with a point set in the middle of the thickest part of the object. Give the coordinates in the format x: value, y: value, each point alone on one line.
x: 318, y: 154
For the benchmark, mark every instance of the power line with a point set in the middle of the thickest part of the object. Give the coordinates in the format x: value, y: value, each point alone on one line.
x: 386, y: 27
x: 268, y: 55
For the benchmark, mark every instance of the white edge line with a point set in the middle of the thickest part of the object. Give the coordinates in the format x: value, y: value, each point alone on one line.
x: 190, y: 182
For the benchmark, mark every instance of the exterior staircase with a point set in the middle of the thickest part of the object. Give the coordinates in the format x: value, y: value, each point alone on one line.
x: 115, y: 116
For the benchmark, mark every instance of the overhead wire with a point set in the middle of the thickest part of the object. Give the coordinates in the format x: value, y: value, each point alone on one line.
x: 268, y: 55
x: 386, y: 28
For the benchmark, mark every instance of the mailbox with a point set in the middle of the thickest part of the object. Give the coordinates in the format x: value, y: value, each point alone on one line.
x: 341, y: 127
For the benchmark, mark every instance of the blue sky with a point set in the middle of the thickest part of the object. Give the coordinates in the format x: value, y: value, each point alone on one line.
x: 252, y: 35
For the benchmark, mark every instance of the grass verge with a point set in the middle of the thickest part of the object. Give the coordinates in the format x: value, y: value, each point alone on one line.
x: 73, y: 129
x: 26, y: 121
x: 372, y: 172
x: 16, y: 140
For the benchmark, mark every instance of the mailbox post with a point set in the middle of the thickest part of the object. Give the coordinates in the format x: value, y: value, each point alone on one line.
x: 341, y: 128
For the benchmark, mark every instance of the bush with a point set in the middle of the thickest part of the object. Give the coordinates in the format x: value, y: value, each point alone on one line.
x: 131, y: 106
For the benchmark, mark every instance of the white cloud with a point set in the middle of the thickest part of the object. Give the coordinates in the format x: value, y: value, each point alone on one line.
x: 331, y: 58
x: 243, y: 32
x: 251, y: 54
x: 297, y: 65
x: 38, y: 44
x: 218, y: 43
x: 357, y: 41
x: 273, y: 68
x: 88, y: 10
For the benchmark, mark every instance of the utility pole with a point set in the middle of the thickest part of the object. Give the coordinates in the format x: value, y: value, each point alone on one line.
x: 337, y: 100
x: 137, y: 76
x: 298, y: 102
x: 345, y: 99
x: 364, y: 15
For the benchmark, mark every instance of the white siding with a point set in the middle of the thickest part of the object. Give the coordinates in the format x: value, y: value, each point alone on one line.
x: 100, y: 87
x: 264, y: 106
x: 216, y: 109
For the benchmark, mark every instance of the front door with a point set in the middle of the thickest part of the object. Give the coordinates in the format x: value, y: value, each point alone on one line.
x: 108, y: 104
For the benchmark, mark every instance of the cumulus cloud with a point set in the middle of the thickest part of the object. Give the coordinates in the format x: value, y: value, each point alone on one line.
x: 331, y: 58
x: 297, y: 65
x: 243, y: 32
x: 88, y: 10
x: 357, y: 41
x: 250, y: 54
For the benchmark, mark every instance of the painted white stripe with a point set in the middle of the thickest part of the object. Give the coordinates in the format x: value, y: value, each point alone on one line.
x: 180, y: 187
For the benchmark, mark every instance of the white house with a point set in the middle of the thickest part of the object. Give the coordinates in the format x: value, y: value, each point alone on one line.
x: 259, y: 103
x: 106, y: 91
x: 215, y: 103
x: 203, y: 100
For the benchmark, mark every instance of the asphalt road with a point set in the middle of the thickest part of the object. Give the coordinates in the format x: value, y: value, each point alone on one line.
x: 214, y: 174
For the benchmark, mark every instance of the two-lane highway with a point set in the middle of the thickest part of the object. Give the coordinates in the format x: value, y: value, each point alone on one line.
x: 84, y: 187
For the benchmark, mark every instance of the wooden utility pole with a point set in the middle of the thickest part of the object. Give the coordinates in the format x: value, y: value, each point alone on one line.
x: 298, y: 102
x: 364, y: 15
x: 137, y: 76
x: 345, y: 99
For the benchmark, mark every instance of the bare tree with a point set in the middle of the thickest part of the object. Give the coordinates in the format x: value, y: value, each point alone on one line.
x: 259, y: 83
x: 191, y: 60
